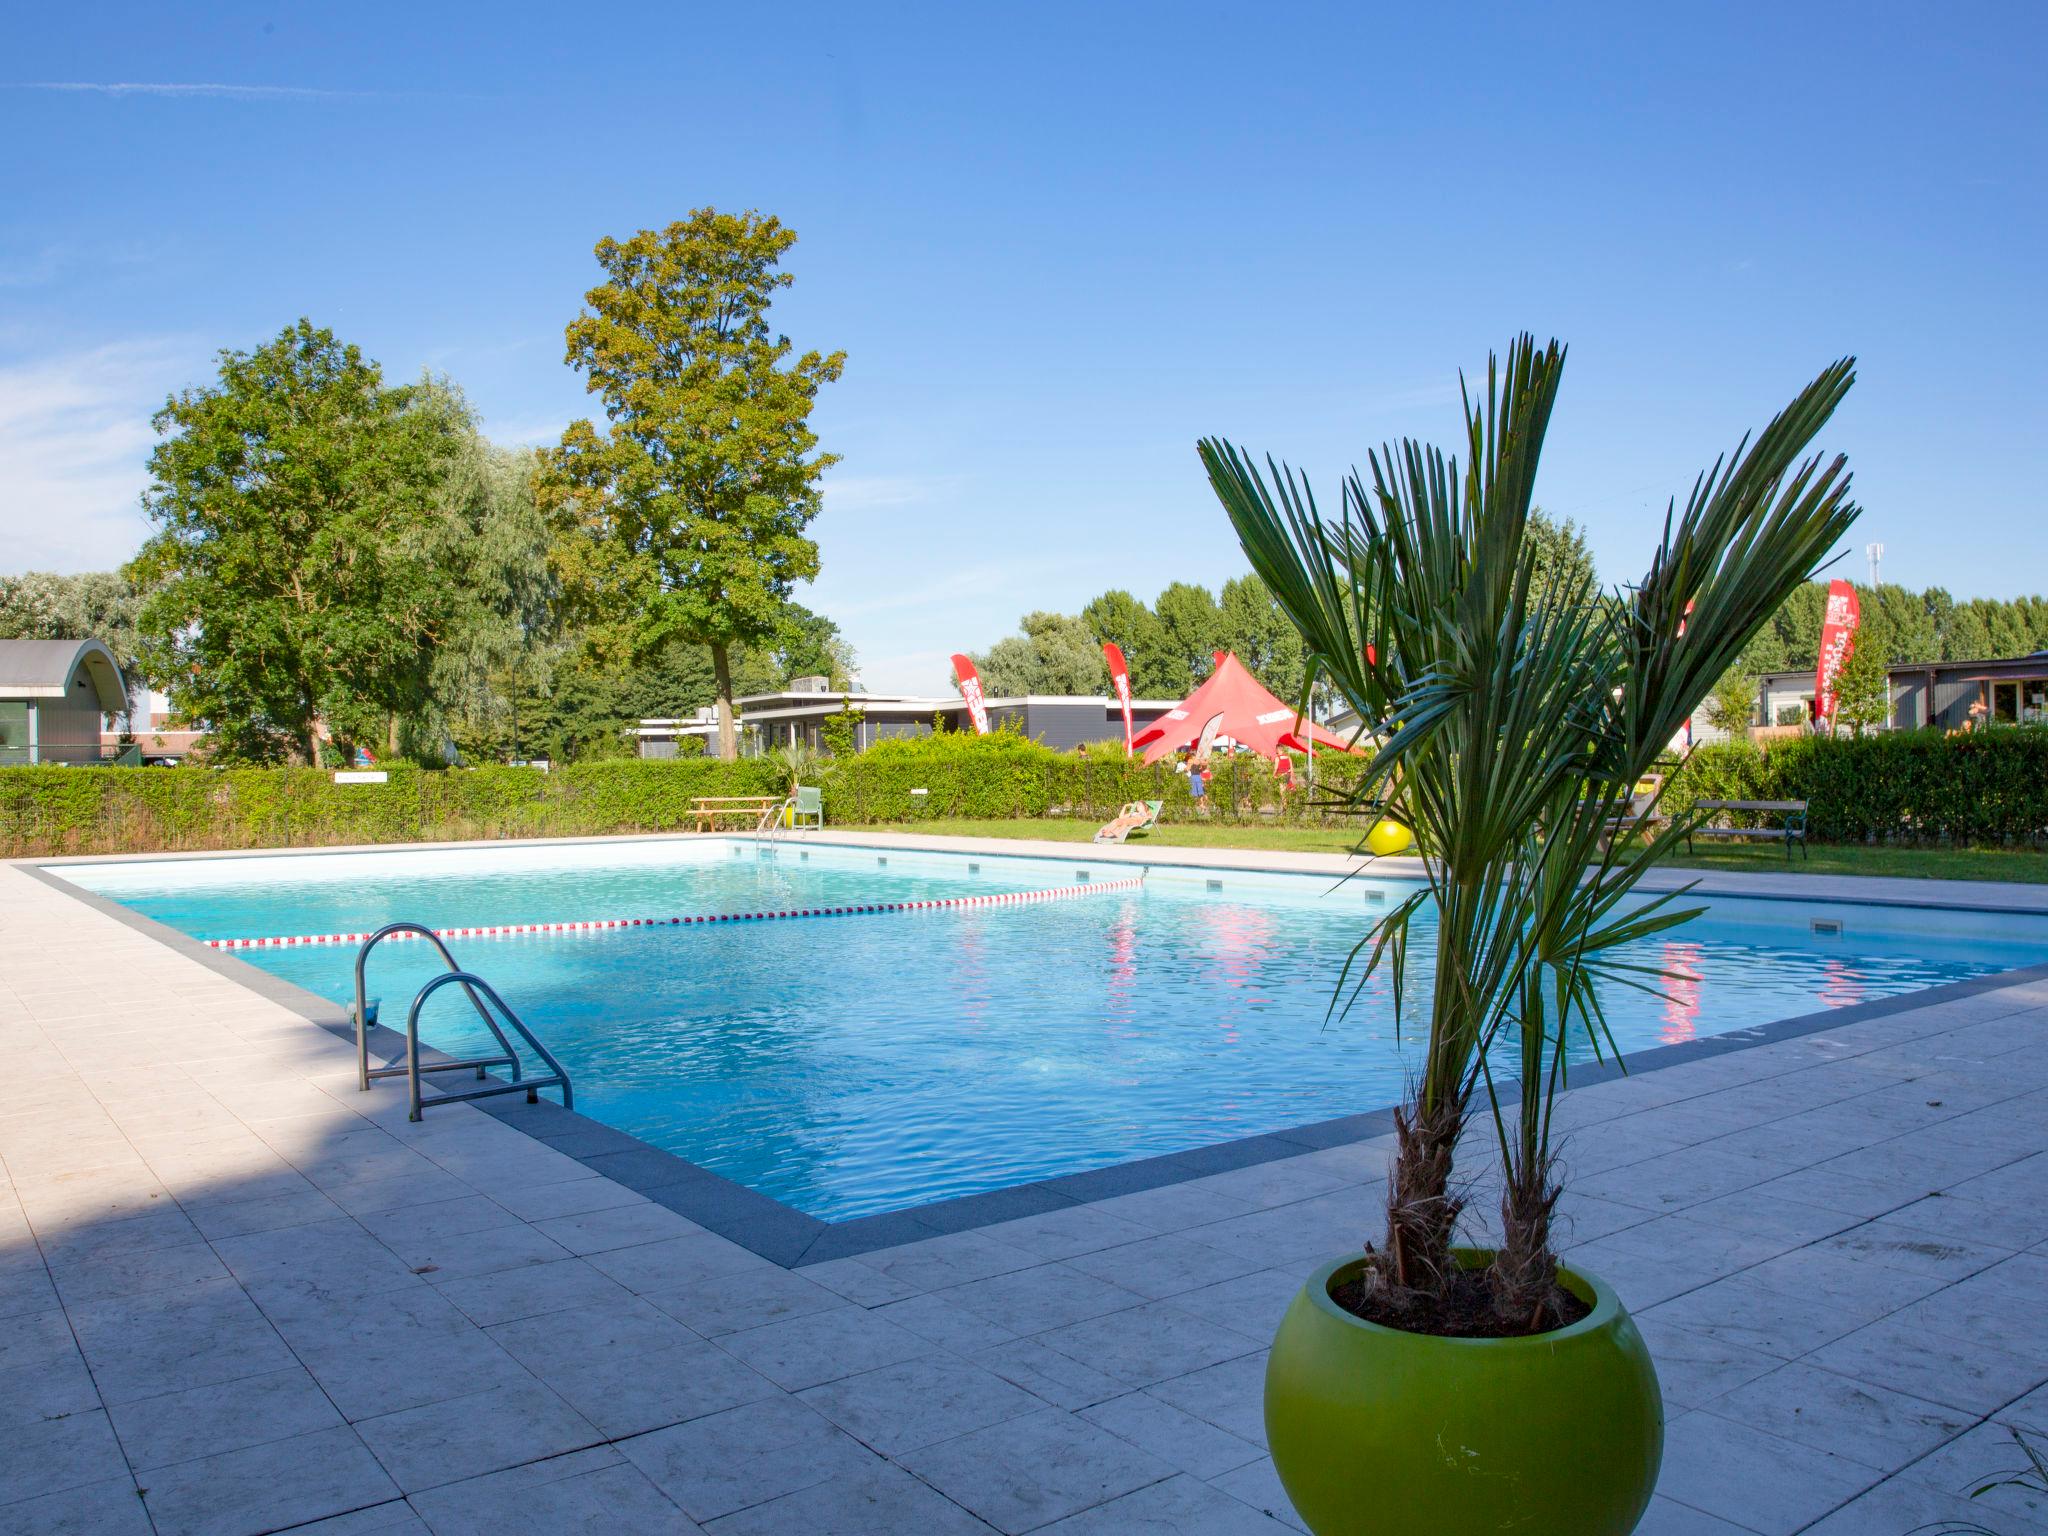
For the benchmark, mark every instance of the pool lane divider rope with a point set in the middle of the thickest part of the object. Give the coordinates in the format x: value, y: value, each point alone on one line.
x: 592, y: 925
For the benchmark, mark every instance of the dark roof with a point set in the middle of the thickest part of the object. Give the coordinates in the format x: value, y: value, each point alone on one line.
x: 45, y: 669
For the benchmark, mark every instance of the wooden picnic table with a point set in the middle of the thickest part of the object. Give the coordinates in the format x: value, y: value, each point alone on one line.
x: 1791, y: 827
x: 754, y: 810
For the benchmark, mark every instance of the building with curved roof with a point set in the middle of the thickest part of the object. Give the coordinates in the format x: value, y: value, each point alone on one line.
x: 53, y: 696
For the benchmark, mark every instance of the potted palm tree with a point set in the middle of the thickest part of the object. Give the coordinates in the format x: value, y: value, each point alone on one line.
x: 1422, y: 1383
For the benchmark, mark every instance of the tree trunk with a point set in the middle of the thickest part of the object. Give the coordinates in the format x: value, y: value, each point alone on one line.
x: 1524, y: 1276
x: 728, y: 737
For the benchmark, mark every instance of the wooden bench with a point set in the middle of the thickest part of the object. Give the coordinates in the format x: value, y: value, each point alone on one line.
x: 1791, y: 827
x: 1640, y: 812
x: 748, y: 810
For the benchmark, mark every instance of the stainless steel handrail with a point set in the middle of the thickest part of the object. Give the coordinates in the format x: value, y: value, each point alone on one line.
x: 364, y: 1071
x: 473, y: 984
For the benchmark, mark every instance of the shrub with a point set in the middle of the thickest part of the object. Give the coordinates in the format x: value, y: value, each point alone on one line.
x: 1900, y: 786
x: 49, y: 811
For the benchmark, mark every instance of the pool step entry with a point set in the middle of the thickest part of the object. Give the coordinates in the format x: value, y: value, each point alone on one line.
x: 490, y: 1007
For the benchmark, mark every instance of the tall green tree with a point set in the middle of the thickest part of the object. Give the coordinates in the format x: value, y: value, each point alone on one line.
x: 492, y: 544
x: 1125, y: 621
x: 1253, y: 626
x: 1863, y: 695
x: 1056, y: 653
x: 1562, y: 555
x: 291, y: 574
x: 707, y: 475
x: 1191, y: 626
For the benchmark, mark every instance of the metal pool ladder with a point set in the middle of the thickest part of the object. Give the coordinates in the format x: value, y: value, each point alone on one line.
x: 478, y: 991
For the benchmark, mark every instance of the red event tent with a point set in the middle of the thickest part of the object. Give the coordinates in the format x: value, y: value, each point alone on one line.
x: 1252, y: 717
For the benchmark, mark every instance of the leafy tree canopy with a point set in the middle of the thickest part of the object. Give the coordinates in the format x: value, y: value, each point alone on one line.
x: 704, y: 481
x: 291, y: 573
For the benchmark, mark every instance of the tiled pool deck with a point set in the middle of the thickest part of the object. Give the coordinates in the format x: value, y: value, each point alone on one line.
x: 238, y: 1296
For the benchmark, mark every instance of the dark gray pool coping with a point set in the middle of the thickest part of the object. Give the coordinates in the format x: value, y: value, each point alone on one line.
x: 792, y: 1238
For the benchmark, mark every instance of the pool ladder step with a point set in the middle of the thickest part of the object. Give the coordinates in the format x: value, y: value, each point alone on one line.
x: 490, y: 1007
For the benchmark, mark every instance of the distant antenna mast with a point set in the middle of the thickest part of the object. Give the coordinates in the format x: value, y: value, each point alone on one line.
x: 1876, y: 553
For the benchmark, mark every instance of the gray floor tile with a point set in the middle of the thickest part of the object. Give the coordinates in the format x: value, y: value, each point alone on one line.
x: 1694, y: 1368
x: 443, y: 1257
x: 532, y: 1291
x: 107, y: 1275
x: 717, y: 1304
x: 954, y: 1259
x: 880, y: 1500
x: 1044, y: 1372
x: 1973, y: 1375
x: 1256, y: 1484
x: 465, y: 1437
x: 1028, y: 1301
x: 1175, y: 1436
x: 1869, y: 1424
x: 617, y: 1226
x: 144, y: 1346
x: 267, y: 1487
x: 629, y: 1368
x: 1063, y: 1234
x: 1151, y: 1343
x: 1754, y: 1479
x: 936, y: 1317
x: 1231, y: 1396
x: 1985, y: 1454
x: 1251, y: 1304
x: 1166, y: 1265
x: 595, y: 1493
x: 108, y: 1508
x: 1027, y: 1472
x: 744, y: 1456
x: 801, y: 1352
x: 1741, y: 1310
x: 205, y: 1421
x: 916, y: 1403
x: 676, y: 1261
x: 50, y: 1455
x: 1902, y: 1507
x: 409, y: 1348
x: 1180, y: 1506
x: 1667, y: 1517
x: 42, y: 1374
x: 335, y: 1258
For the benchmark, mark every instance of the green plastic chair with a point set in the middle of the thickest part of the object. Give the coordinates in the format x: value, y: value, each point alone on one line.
x: 808, y: 803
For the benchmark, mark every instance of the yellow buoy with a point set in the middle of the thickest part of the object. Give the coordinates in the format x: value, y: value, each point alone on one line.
x: 1388, y: 837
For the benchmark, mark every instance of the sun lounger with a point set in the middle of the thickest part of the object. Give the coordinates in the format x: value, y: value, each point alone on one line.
x: 1138, y: 816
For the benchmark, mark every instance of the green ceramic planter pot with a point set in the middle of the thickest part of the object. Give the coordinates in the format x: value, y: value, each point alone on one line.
x: 1376, y: 1432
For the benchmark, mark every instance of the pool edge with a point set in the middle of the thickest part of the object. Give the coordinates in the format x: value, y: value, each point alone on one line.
x: 794, y: 1239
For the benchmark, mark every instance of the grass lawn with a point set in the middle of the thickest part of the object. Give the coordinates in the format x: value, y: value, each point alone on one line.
x: 2024, y: 865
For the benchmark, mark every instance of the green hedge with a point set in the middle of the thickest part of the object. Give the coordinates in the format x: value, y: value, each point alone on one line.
x: 1900, y: 786
x: 46, y: 811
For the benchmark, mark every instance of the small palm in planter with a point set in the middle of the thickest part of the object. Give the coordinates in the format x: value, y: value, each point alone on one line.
x: 1420, y: 1385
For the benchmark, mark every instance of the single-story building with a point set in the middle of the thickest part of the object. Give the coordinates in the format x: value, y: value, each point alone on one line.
x: 53, y: 696
x: 799, y: 712
x: 2013, y: 691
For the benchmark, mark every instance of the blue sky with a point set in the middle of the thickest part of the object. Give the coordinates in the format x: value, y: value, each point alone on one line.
x: 1059, y: 243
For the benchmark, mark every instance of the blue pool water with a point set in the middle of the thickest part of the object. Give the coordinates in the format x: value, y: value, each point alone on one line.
x: 861, y: 1064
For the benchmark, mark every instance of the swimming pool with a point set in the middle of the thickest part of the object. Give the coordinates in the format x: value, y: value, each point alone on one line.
x: 874, y: 1062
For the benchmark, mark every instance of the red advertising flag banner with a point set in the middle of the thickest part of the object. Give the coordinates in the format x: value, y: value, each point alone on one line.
x: 1837, y: 639
x: 1120, y: 678
x: 970, y: 690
